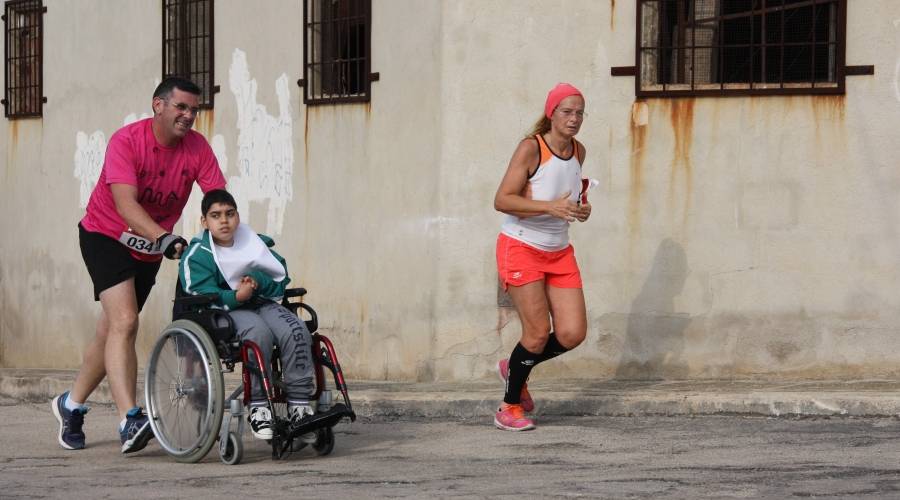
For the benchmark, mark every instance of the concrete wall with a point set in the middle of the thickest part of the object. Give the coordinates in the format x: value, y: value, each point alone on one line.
x: 730, y: 237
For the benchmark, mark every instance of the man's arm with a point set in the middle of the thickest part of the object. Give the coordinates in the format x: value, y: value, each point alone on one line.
x: 125, y: 198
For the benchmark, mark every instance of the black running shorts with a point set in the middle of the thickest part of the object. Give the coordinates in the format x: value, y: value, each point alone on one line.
x: 110, y: 263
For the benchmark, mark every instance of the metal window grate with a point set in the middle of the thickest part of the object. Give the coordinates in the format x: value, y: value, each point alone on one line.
x: 24, y: 58
x: 187, y: 44
x: 725, y: 47
x: 337, y: 52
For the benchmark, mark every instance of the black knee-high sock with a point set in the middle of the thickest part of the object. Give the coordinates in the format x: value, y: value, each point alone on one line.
x: 521, y: 361
x: 552, y: 349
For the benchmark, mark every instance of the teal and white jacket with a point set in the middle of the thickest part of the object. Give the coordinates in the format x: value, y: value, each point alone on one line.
x: 206, y: 268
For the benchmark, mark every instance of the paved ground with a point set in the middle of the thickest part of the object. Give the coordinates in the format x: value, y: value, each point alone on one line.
x: 594, y: 457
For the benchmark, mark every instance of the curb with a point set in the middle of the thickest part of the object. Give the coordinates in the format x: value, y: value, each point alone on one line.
x: 475, y: 400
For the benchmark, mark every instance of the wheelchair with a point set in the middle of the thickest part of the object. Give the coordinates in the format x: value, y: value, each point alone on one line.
x: 184, y: 385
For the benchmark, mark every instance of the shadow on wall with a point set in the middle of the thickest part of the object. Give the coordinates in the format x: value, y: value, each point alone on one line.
x: 654, y: 337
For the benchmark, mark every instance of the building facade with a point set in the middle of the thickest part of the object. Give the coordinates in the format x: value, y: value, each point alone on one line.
x: 747, y: 221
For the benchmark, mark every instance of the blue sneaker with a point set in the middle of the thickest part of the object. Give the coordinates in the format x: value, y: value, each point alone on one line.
x: 137, y: 432
x: 71, y: 437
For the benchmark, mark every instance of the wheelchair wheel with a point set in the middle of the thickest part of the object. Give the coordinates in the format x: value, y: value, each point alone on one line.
x: 325, y: 441
x: 234, y: 450
x: 184, y: 391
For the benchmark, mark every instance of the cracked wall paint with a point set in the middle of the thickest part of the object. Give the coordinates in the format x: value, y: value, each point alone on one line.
x: 265, y: 148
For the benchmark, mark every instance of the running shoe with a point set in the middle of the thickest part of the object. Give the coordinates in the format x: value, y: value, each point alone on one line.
x: 137, y: 432
x: 70, y: 436
x: 299, y: 412
x: 512, y: 418
x: 525, y: 397
x: 261, y: 422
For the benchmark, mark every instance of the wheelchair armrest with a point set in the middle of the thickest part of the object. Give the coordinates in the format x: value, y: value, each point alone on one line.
x: 295, y: 292
x: 312, y: 324
x: 197, y: 300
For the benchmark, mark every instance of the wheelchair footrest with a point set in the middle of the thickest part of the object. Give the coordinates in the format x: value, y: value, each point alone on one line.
x: 325, y: 419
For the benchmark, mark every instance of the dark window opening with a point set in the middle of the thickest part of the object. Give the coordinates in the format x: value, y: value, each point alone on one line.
x: 24, y: 59
x: 697, y: 47
x: 336, y: 57
x: 187, y: 40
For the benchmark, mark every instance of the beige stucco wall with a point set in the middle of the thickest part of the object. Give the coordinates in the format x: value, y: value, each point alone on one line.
x: 729, y: 237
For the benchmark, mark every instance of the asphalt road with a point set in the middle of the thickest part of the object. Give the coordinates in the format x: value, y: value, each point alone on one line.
x: 592, y: 457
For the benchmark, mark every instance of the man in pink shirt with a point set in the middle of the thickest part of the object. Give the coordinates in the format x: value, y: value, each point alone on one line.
x: 148, y: 173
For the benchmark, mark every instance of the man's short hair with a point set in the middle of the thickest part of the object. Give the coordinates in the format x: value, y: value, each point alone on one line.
x: 164, y: 89
x: 216, y: 196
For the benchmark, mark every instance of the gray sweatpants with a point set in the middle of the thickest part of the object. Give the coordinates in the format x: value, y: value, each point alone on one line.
x: 271, y: 324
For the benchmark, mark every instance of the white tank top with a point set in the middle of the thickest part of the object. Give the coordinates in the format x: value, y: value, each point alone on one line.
x: 553, y: 177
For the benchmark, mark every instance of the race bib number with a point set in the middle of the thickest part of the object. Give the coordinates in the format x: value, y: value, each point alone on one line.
x: 139, y: 243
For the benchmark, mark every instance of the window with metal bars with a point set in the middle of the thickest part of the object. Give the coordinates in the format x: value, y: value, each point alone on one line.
x: 187, y: 41
x: 337, y: 53
x: 725, y: 47
x: 24, y: 59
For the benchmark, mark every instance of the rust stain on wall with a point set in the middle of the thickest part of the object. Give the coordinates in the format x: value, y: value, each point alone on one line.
x: 204, y: 123
x: 829, y: 113
x: 681, y: 114
x: 829, y: 106
x: 306, y: 201
x: 828, y: 109
x: 612, y: 15
x: 638, y: 128
x: 306, y: 134
x: 13, y: 145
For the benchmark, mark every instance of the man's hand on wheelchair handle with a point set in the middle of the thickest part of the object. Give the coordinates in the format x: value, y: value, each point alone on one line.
x: 172, y: 245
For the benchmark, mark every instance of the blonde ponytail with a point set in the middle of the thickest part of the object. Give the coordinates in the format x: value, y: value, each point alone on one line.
x: 542, y: 126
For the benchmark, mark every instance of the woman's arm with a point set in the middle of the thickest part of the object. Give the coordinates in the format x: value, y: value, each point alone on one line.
x: 509, y: 198
x: 584, y: 209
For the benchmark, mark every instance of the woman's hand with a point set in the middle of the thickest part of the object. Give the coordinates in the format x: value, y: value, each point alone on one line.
x: 246, y: 289
x: 583, y: 212
x: 563, y: 207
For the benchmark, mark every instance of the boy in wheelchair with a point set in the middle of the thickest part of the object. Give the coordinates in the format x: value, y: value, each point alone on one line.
x: 229, y: 259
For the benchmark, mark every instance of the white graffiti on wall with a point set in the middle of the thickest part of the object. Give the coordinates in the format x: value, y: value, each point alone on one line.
x: 89, y: 153
x: 265, y: 150
x: 190, y: 218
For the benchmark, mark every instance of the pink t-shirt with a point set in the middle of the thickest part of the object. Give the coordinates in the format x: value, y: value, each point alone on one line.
x: 163, y: 176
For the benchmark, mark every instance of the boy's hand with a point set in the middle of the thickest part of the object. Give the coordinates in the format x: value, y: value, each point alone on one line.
x: 246, y: 289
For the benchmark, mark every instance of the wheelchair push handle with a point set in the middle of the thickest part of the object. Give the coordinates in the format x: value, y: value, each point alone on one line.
x: 295, y: 292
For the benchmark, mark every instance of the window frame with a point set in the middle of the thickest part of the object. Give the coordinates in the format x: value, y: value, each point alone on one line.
x: 310, y: 59
x: 750, y: 87
x: 32, y: 106
x: 184, y: 64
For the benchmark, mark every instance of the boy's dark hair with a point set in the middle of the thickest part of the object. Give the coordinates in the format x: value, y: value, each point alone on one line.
x: 216, y: 196
x: 164, y: 89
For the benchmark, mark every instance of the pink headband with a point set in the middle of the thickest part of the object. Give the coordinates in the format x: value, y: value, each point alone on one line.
x: 557, y: 94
